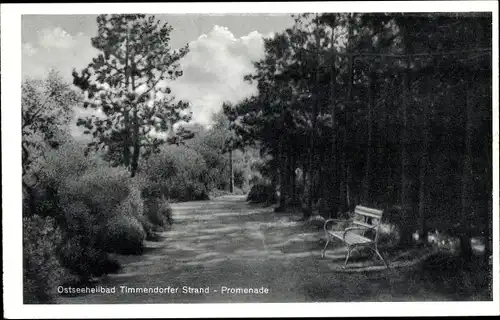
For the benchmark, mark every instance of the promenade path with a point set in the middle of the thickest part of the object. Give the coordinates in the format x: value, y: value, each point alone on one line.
x: 227, y: 242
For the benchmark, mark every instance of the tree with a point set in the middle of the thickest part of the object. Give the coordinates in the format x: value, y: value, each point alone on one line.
x: 383, y: 66
x: 126, y: 84
x: 229, y: 141
x: 46, y: 112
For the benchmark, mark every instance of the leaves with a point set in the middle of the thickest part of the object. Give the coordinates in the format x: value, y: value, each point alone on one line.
x: 125, y: 83
x: 46, y: 112
x: 301, y: 99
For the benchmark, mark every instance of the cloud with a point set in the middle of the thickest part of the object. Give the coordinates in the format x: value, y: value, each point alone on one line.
x: 28, y: 49
x: 55, y: 48
x: 214, y: 69
x: 55, y: 38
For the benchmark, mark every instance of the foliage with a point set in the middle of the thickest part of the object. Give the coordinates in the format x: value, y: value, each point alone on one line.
x: 158, y: 212
x: 376, y: 121
x: 192, y: 170
x: 126, y: 84
x: 99, y: 209
x: 179, y: 172
x: 42, y: 271
x: 85, y: 260
x: 46, y: 110
x: 101, y: 189
x: 214, y: 144
x: 124, y: 234
x: 262, y: 193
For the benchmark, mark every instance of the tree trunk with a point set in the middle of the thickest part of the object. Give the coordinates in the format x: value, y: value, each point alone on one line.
x: 126, y: 145
x: 486, y: 205
x: 465, y: 241
x: 126, y: 116
x: 381, y: 149
x: 407, y: 225
x: 334, y: 165
x: 368, y: 167
x: 408, y: 217
x: 137, y: 144
x: 294, y: 177
x: 304, y: 177
x: 349, y: 104
x: 424, y: 164
x: 487, y: 217
x: 272, y: 191
x: 487, y: 222
x: 348, y: 188
x: 320, y: 186
x: 231, y: 174
x: 387, y: 158
x: 290, y: 182
x: 311, y: 175
x: 312, y: 150
x: 282, y: 174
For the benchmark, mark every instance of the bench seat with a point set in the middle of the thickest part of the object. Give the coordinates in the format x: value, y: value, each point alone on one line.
x: 351, y: 237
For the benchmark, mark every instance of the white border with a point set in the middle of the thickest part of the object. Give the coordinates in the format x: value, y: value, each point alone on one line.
x: 11, y: 169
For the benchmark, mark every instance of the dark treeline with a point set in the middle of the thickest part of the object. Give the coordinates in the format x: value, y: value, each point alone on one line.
x: 386, y: 110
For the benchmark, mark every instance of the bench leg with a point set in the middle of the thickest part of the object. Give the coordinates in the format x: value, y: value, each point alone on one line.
x: 375, y: 250
x: 349, y: 249
x: 324, y: 249
x: 385, y: 263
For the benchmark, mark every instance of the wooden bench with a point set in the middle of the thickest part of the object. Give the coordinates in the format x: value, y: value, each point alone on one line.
x: 364, y: 231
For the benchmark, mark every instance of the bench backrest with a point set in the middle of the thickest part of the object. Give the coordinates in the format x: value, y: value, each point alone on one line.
x: 368, y: 218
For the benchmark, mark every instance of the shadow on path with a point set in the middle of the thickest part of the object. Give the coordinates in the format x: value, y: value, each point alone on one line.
x: 227, y: 242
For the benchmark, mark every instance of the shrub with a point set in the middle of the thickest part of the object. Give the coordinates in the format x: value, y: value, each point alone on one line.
x: 82, y: 258
x: 124, y: 231
x: 262, y: 193
x: 107, y: 198
x: 101, y: 189
x: 78, y: 218
x: 124, y: 235
x: 41, y: 268
x: 217, y: 193
x: 103, y: 206
x: 69, y: 160
x: 103, y: 211
x: 388, y: 235
x: 158, y: 212
x: 238, y: 191
x: 180, y: 173
x: 49, y: 175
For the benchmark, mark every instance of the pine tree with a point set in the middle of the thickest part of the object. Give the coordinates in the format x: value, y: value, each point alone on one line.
x: 127, y: 85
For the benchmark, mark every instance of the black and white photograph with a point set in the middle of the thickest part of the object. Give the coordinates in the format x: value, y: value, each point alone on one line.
x: 230, y: 158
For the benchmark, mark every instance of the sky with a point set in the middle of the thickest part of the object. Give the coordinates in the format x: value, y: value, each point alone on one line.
x: 222, y: 48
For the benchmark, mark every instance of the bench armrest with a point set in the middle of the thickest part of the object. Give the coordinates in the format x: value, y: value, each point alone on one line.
x: 333, y: 221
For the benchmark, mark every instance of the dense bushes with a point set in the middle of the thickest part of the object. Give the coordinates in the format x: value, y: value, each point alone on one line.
x: 179, y: 173
x: 41, y: 267
x: 80, y: 256
x: 158, y: 212
x: 98, y: 209
x: 101, y: 189
x: 84, y: 210
x: 124, y: 234
x: 262, y: 193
